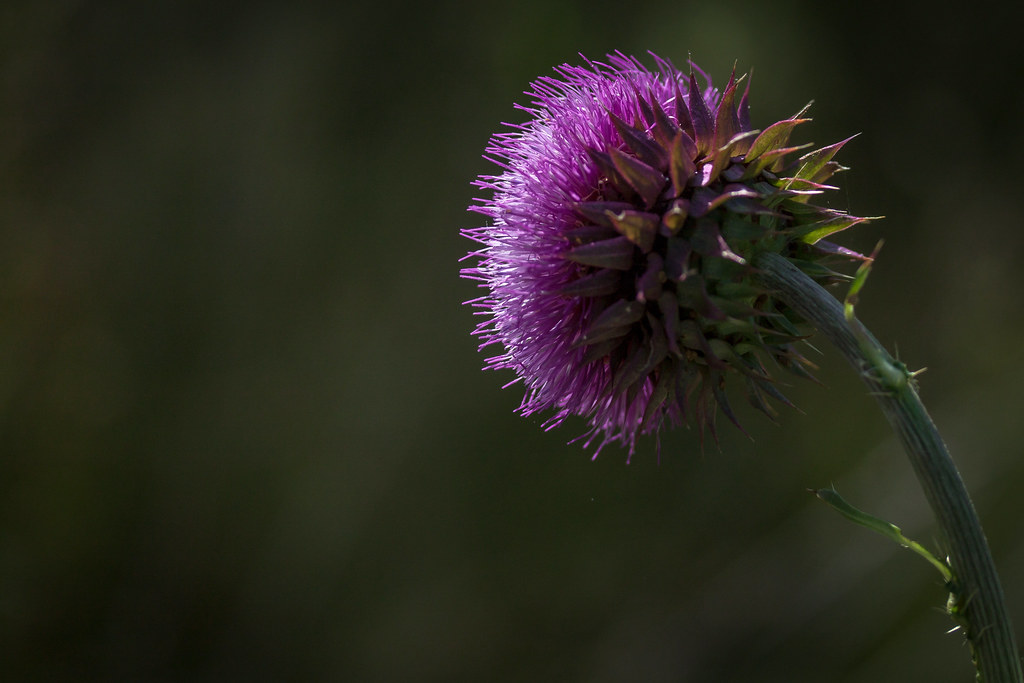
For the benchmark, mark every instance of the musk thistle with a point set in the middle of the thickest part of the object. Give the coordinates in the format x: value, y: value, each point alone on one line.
x: 645, y: 243
x: 620, y: 247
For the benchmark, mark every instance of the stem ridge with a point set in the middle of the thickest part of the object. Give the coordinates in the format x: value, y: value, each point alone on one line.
x: 977, y: 593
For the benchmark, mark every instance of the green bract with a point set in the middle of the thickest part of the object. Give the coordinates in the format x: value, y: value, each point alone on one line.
x: 628, y: 219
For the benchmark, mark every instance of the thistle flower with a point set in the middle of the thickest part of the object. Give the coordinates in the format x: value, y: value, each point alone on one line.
x: 619, y: 254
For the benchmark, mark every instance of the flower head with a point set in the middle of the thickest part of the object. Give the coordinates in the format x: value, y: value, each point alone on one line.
x: 619, y: 255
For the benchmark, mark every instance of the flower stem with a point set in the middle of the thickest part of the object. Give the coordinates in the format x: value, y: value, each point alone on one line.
x: 977, y: 599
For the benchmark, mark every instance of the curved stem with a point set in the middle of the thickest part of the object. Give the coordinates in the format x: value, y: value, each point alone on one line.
x: 977, y: 594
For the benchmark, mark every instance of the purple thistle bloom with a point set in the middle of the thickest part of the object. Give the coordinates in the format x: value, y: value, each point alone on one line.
x: 618, y: 259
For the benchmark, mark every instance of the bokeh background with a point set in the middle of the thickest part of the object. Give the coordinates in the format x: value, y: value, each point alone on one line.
x: 243, y: 430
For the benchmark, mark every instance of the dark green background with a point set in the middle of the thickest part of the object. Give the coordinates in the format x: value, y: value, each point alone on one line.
x: 244, y: 431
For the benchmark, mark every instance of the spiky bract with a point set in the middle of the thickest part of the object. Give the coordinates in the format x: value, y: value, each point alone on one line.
x: 618, y: 259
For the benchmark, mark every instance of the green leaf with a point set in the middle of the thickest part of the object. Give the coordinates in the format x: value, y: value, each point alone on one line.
x: 859, y: 278
x: 887, y: 529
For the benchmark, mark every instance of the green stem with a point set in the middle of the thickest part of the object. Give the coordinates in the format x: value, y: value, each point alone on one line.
x: 979, y: 594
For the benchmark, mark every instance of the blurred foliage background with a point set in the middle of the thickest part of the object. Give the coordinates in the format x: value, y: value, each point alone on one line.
x: 243, y: 430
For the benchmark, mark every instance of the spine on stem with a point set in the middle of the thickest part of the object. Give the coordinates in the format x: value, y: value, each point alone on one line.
x: 977, y: 595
